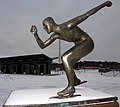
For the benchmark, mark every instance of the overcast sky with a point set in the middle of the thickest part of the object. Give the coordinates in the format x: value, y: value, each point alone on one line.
x: 17, y: 16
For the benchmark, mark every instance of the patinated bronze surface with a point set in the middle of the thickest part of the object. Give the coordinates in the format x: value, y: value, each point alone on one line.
x: 70, y: 32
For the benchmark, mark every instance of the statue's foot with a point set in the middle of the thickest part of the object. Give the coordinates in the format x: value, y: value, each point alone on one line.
x: 77, y: 82
x: 108, y: 3
x: 69, y: 90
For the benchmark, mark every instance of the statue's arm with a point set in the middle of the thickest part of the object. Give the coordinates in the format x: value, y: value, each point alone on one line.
x: 42, y: 44
x: 77, y: 20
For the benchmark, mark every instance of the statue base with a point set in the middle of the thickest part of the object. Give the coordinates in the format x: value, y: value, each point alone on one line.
x: 41, y: 98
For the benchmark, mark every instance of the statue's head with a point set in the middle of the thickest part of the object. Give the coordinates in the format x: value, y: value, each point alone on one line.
x: 48, y: 24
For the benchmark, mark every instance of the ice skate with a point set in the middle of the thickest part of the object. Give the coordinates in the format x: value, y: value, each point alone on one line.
x: 79, y: 82
x: 67, y: 92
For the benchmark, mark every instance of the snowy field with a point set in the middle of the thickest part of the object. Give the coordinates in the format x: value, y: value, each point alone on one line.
x: 106, y: 83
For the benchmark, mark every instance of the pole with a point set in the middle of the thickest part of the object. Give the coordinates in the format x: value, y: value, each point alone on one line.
x: 59, y: 51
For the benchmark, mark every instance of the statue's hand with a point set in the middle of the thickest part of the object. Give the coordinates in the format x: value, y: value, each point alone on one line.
x: 33, y: 29
x: 108, y: 3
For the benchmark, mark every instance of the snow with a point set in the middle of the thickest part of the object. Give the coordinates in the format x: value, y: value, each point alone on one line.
x: 42, y: 96
x: 105, y: 83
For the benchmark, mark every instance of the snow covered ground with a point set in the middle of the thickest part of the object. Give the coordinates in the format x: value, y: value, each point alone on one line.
x: 106, y: 83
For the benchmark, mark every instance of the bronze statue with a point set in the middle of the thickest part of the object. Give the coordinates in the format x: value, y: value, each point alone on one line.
x: 70, y: 32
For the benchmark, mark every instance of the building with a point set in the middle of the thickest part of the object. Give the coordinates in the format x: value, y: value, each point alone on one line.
x: 28, y: 64
x: 90, y: 65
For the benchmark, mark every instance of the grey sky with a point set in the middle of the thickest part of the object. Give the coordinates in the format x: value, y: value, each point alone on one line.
x: 17, y: 16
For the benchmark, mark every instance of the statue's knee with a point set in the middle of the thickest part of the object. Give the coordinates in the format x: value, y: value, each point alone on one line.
x: 63, y: 58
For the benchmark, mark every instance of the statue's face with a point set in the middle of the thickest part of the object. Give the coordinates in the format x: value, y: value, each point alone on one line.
x: 48, y: 24
x: 46, y: 27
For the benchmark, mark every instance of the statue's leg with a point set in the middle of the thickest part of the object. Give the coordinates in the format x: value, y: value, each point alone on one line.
x: 69, y: 58
x: 76, y: 80
x: 68, y: 66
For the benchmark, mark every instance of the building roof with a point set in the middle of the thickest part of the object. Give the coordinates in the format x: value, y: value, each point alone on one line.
x: 26, y: 57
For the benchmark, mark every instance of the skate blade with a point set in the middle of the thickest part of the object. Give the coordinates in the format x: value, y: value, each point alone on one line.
x: 65, y: 96
x: 82, y: 82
